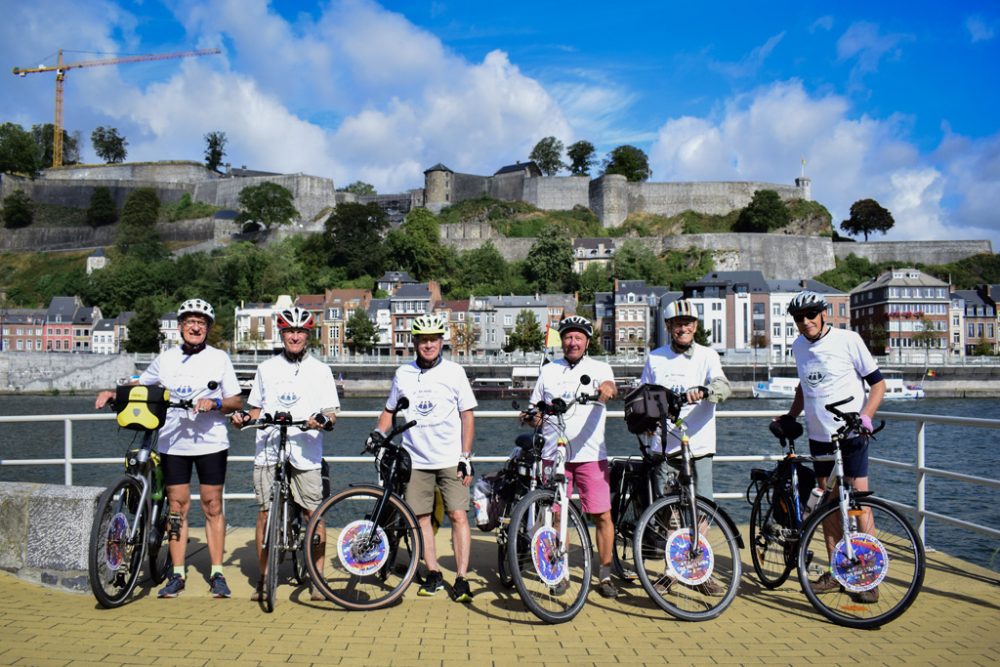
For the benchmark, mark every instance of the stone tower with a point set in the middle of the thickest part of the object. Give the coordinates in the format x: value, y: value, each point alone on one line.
x: 804, y: 184
x: 437, y: 187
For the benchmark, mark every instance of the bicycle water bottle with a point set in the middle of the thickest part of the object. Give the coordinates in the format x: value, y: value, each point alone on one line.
x: 814, y: 498
x: 481, y: 501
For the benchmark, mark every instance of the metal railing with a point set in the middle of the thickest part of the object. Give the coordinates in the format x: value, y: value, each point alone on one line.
x: 919, y: 467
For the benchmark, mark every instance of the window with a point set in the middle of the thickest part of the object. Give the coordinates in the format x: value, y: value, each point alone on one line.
x: 980, y: 330
x: 972, y: 330
x: 508, y: 320
x: 716, y: 331
x: 758, y: 309
x: 716, y: 306
x: 842, y: 309
x: 776, y: 331
x: 790, y: 330
x: 989, y: 331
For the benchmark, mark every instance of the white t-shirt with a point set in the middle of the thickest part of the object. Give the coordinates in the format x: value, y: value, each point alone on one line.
x: 187, y: 433
x: 831, y: 369
x: 584, y: 423
x: 680, y: 372
x: 302, y: 389
x: 437, y: 396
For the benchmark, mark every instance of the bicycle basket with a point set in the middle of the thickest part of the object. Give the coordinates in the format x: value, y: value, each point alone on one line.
x: 646, y: 405
x: 142, y: 407
x: 404, y: 466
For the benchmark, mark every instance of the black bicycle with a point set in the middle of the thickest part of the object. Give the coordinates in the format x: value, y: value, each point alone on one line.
x: 369, y: 534
x: 633, y: 488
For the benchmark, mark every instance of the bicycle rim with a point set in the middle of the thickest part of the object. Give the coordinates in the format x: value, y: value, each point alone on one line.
x: 159, y: 551
x: 273, y: 545
x: 623, y: 556
x: 891, y: 563
x: 771, y: 549
x: 553, y: 588
x: 366, y: 564
x: 503, y: 571
x: 300, y: 553
x: 690, y: 585
x: 113, y: 559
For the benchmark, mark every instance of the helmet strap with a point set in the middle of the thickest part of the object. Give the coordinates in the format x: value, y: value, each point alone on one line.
x: 822, y: 332
x: 427, y: 365
x: 294, y: 358
x: 189, y: 349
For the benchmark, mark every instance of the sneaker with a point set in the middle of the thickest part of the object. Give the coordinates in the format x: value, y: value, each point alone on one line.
x: 663, y: 586
x: 607, y: 589
x: 461, y: 592
x: 218, y: 587
x: 825, y: 584
x: 711, y: 588
x: 315, y: 595
x: 866, y: 597
x: 175, y: 584
x: 433, y: 582
x: 559, y: 588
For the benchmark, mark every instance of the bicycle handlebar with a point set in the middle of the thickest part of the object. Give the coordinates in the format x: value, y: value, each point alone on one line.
x: 852, y: 420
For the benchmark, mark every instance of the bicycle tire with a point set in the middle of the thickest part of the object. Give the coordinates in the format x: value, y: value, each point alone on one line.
x: 896, y: 564
x: 534, y: 516
x: 665, y: 524
x: 626, y: 518
x: 159, y: 545
x: 301, y: 552
x: 368, y: 565
x: 114, y: 561
x: 503, y: 569
x: 273, y: 546
x: 772, y: 549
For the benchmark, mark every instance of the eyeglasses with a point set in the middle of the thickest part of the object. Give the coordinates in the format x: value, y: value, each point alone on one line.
x: 194, y: 321
x: 679, y: 323
x: 799, y: 318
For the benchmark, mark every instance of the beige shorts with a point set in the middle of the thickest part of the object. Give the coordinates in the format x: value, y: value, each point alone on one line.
x: 420, y: 491
x: 306, y: 485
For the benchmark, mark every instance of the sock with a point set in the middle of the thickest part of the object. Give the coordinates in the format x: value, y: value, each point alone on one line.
x: 216, y: 569
x: 604, y: 572
x: 179, y: 569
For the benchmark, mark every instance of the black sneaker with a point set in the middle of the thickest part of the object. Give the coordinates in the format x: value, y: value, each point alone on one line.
x: 433, y: 582
x: 217, y: 584
x: 175, y: 584
x: 607, y: 589
x: 461, y: 592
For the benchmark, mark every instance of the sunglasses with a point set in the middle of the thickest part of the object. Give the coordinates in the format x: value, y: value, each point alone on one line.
x: 807, y: 316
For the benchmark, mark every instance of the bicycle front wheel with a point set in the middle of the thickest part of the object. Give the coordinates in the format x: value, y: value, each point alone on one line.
x: 367, y: 561
x: 272, y: 543
x: 690, y: 582
x: 772, y: 537
x: 159, y: 551
x: 885, y: 576
x: 117, y: 543
x: 551, y: 572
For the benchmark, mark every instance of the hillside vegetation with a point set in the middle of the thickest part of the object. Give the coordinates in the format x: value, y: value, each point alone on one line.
x: 964, y: 274
x: 31, y: 279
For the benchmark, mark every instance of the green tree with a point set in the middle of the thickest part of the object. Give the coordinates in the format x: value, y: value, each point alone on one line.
x: 595, y: 278
x: 360, y: 332
x: 701, y: 335
x: 547, y: 154
x: 925, y: 335
x: 527, y: 335
x: 683, y: 266
x: 595, y: 348
x: 267, y: 204
x: 464, y: 336
x: 630, y: 162
x: 483, y: 266
x: 102, y: 210
x: 18, y: 211
x: 635, y: 260
x: 18, y: 151
x: 549, y: 264
x: 215, y: 149
x: 982, y: 349
x: 766, y: 211
x: 108, y: 144
x: 43, y: 136
x: 867, y: 217
x: 353, y: 239
x: 359, y: 188
x: 581, y: 157
x: 144, y: 328
x: 416, y: 246
x: 137, y: 236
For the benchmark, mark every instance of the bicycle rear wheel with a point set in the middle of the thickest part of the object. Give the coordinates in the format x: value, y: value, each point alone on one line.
x: 301, y: 552
x: 884, y: 580
x: 114, y: 559
x: 503, y: 570
x: 772, y: 539
x: 692, y: 585
x: 272, y: 543
x: 368, y: 561
x: 159, y: 552
x: 625, y: 516
x: 551, y: 576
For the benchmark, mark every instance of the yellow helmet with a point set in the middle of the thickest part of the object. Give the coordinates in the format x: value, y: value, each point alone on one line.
x: 428, y: 325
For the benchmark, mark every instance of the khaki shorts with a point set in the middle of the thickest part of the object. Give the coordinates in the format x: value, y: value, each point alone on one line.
x: 306, y: 485
x: 420, y: 491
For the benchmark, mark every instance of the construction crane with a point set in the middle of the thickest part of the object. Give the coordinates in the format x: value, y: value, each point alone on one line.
x: 60, y: 69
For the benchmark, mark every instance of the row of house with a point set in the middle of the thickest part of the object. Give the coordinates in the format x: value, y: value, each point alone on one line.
x: 65, y: 326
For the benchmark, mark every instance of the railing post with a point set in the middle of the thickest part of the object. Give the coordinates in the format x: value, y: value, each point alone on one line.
x: 68, y: 451
x: 921, y: 482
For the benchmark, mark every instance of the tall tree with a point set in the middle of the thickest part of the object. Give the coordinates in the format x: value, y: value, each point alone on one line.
x: 581, y: 157
x: 867, y: 217
x: 353, y: 239
x: 635, y: 260
x: 549, y: 264
x: 527, y: 335
x: 359, y: 188
x: 360, y: 332
x: 18, y: 210
x: 102, y: 210
x: 630, y: 162
x: 464, y: 336
x: 18, y: 151
x: 483, y: 266
x: 766, y: 211
x: 547, y: 154
x: 267, y: 204
x: 109, y: 145
x: 137, y: 235
x: 43, y: 136
x: 144, y: 328
x: 215, y: 149
x: 595, y: 278
x: 416, y: 247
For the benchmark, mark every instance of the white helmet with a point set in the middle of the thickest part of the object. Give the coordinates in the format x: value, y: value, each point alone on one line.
x: 806, y: 302
x: 196, y: 307
x: 679, y: 308
x: 295, y: 318
x: 576, y: 323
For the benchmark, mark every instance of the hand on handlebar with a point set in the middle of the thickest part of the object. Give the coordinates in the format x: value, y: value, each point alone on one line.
x: 374, y: 441
x: 866, y: 423
x: 103, y: 399
x: 239, y: 418
x: 322, y: 421
x: 695, y: 394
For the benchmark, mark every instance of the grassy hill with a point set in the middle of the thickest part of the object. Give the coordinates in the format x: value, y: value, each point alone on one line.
x: 31, y: 279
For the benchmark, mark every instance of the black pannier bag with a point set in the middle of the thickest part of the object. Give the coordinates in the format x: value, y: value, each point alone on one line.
x: 646, y: 405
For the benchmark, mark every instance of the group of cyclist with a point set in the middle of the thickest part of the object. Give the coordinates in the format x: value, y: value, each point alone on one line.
x: 831, y: 364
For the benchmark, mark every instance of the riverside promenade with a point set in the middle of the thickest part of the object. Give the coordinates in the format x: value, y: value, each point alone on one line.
x: 954, y: 622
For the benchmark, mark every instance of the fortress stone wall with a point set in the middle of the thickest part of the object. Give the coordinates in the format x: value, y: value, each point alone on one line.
x: 162, y: 172
x: 70, y: 238
x: 924, y: 252
x: 777, y: 256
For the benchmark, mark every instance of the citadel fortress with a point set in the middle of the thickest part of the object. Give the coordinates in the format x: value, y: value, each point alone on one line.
x: 612, y: 199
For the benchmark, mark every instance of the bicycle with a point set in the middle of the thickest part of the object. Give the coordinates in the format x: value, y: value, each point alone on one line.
x: 131, y: 517
x: 688, y: 559
x: 283, y: 532
x: 371, y: 532
x: 548, y: 543
x: 633, y: 489
x: 879, y: 567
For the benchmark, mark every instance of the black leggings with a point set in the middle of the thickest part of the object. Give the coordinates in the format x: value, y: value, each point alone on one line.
x: 211, y: 468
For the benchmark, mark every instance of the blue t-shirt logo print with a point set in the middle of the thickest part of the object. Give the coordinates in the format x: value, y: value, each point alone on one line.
x: 425, y: 407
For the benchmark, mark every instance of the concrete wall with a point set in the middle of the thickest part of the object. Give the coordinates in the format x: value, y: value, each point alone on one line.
x: 312, y: 193
x: 511, y: 249
x: 609, y: 199
x: 715, y: 198
x: 77, y: 193
x: 69, y: 238
x: 508, y: 187
x: 162, y: 172
x: 466, y: 186
x: 42, y: 371
x: 557, y: 193
x: 777, y: 256
x: 910, y: 252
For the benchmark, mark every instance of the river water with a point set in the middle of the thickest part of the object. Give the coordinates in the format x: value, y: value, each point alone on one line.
x: 960, y: 449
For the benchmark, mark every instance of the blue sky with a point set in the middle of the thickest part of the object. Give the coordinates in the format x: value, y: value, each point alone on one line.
x: 894, y: 101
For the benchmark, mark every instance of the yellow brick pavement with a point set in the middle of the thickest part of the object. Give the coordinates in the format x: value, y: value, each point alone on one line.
x: 955, y: 622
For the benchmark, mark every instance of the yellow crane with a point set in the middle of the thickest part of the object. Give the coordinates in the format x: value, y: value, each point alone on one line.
x: 61, y: 67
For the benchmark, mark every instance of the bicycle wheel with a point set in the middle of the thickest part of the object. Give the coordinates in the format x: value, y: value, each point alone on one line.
x: 551, y: 577
x: 300, y: 552
x: 772, y: 538
x: 368, y: 564
x: 625, y: 519
x: 116, y: 552
x: 159, y: 551
x: 886, y: 577
x: 690, y: 586
x: 272, y: 543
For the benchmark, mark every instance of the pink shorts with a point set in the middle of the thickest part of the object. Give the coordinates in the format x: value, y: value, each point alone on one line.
x: 593, y: 483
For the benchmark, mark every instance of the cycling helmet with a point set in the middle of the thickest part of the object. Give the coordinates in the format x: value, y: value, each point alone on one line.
x: 679, y: 308
x: 196, y: 307
x: 428, y: 325
x: 295, y: 318
x: 576, y: 323
x: 806, y: 302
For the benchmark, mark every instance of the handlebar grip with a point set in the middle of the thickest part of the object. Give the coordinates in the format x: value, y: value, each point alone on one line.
x: 832, y: 407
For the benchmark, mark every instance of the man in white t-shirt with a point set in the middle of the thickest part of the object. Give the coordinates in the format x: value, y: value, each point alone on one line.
x: 302, y: 386
x: 194, y: 438
x: 832, y: 363
x: 587, y: 462
x: 440, y: 446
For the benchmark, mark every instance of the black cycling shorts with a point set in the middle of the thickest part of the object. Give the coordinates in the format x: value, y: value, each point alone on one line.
x: 211, y: 468
x: 855, y: 453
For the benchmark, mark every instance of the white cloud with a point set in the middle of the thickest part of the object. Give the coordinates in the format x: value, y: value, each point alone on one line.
x: 822, y: 23
x: 867, y: 47
x: 980, y: 30
x: 750, y: 63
